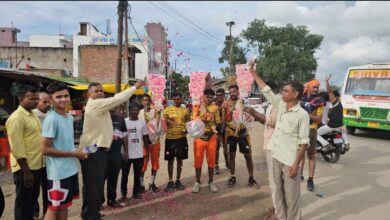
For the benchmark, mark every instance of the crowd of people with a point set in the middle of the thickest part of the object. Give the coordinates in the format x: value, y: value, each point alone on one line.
x: 44, y: 157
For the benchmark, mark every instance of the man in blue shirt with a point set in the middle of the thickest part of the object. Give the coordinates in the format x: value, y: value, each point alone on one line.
x: 60, y: 154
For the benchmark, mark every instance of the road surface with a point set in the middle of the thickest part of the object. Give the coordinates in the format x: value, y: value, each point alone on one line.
x: 357, y: 187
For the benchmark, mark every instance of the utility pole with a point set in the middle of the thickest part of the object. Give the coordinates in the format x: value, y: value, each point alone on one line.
x: 230, y: 38
x: 122, y: 5
x: 126, y: 54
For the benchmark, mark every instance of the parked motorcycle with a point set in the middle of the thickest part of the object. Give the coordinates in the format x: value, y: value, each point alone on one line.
x: 332, y: 154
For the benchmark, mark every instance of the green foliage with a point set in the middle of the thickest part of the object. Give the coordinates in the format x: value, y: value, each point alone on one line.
x: 180, y: 84
x: 286, y: 53
x: 237, y: 58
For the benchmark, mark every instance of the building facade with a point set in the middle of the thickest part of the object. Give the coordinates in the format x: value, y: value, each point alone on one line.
x: 97, y: 63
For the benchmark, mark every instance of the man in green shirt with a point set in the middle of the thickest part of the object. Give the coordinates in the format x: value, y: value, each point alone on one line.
x: 288, y: 145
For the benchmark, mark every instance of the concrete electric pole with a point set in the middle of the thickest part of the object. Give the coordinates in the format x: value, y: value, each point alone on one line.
x: 230, y: 38
x: 122, y: 7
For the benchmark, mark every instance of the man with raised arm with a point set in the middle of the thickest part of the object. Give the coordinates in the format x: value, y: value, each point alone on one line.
x: 98, y: 130
x: 288, y: 145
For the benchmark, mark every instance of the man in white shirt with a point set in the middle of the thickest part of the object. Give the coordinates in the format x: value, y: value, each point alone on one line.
x: 43, y: 107
x: 137, y: 135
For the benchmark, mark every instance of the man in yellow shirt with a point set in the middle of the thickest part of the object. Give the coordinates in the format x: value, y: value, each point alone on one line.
x: 176, y: 144
x: 209, y: 114
x: 24, y: 135
x: 98, y: 129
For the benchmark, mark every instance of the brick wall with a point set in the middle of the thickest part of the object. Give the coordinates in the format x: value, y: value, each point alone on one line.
x: 97, y: 63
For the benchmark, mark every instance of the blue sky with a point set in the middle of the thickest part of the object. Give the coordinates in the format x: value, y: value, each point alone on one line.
x: 355, y: 32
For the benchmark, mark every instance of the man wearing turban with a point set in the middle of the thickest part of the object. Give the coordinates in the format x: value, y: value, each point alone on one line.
x: 314, y: 105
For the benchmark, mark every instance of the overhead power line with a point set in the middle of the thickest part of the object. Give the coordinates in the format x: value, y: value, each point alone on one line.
x: 180, y: 21
x: 188, y: 20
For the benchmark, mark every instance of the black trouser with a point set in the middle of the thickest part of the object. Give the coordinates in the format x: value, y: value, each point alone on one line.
x: 25, y: 197
x: 2, y: 202
x: 114, y: 164
x: 93, y: 170
x: 137, y: 167
x: 44, y: 194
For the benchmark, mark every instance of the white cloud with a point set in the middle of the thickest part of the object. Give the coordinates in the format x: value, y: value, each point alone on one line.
x: 354, y: 33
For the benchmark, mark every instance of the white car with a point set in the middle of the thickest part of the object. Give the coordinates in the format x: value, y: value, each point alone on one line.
x: 256, y: 104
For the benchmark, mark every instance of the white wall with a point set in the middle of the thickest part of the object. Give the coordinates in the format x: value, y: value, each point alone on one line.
x: 46, y: 41
x: 83, y: 40
x: 77, y: 41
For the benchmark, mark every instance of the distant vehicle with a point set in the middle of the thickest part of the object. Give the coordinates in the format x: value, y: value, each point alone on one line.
x: 256, y: 104
x: 366, y: 97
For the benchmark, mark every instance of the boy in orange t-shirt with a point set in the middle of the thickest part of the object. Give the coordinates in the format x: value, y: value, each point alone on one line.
x: 209, y: 114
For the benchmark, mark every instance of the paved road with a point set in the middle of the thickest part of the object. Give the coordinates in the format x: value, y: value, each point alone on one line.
x: 240, y: 202
x: 357, y: 187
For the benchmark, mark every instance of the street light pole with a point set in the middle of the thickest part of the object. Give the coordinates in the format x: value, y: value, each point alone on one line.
x: 230, y: 24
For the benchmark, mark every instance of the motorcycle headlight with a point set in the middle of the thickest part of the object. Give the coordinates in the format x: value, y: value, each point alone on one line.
x: 351, y: 112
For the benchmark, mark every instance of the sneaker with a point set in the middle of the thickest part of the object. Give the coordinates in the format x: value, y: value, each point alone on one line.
x: 212, y: 187
x: 310, y: 185
x: 196, y: 187
x: 170, y: 186
x: 252, y: 182
x: 232, y: 181
x: 216, y: 170
x: 302, y: 177
x: 143, y: 189
x: 137, y: 196
x: 347, y: 147
x: 123, y: 199
x: 178, y: 185
x: 153, y: 188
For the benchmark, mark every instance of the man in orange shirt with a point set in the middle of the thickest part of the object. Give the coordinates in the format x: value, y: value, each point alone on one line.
x: 209, y: 114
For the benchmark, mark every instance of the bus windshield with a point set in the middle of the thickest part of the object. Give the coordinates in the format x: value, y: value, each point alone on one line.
x: 367, y: 85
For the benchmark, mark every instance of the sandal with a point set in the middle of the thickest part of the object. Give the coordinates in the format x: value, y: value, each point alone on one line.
x: 252, y: 182
x: 232, y: 181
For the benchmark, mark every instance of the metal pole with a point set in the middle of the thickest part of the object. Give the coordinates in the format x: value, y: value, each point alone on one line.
x: 230, y: 24
x: 119, y: 48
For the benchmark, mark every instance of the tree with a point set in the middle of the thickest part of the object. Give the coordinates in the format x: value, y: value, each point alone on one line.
x: 238, y: 55
x: 286, y: 53
x: 180, y: 83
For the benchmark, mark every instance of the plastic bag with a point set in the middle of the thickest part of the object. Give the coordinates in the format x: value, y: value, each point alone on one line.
x: 244, y: 118
x: 195, y: 128
x: 156, y: 131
